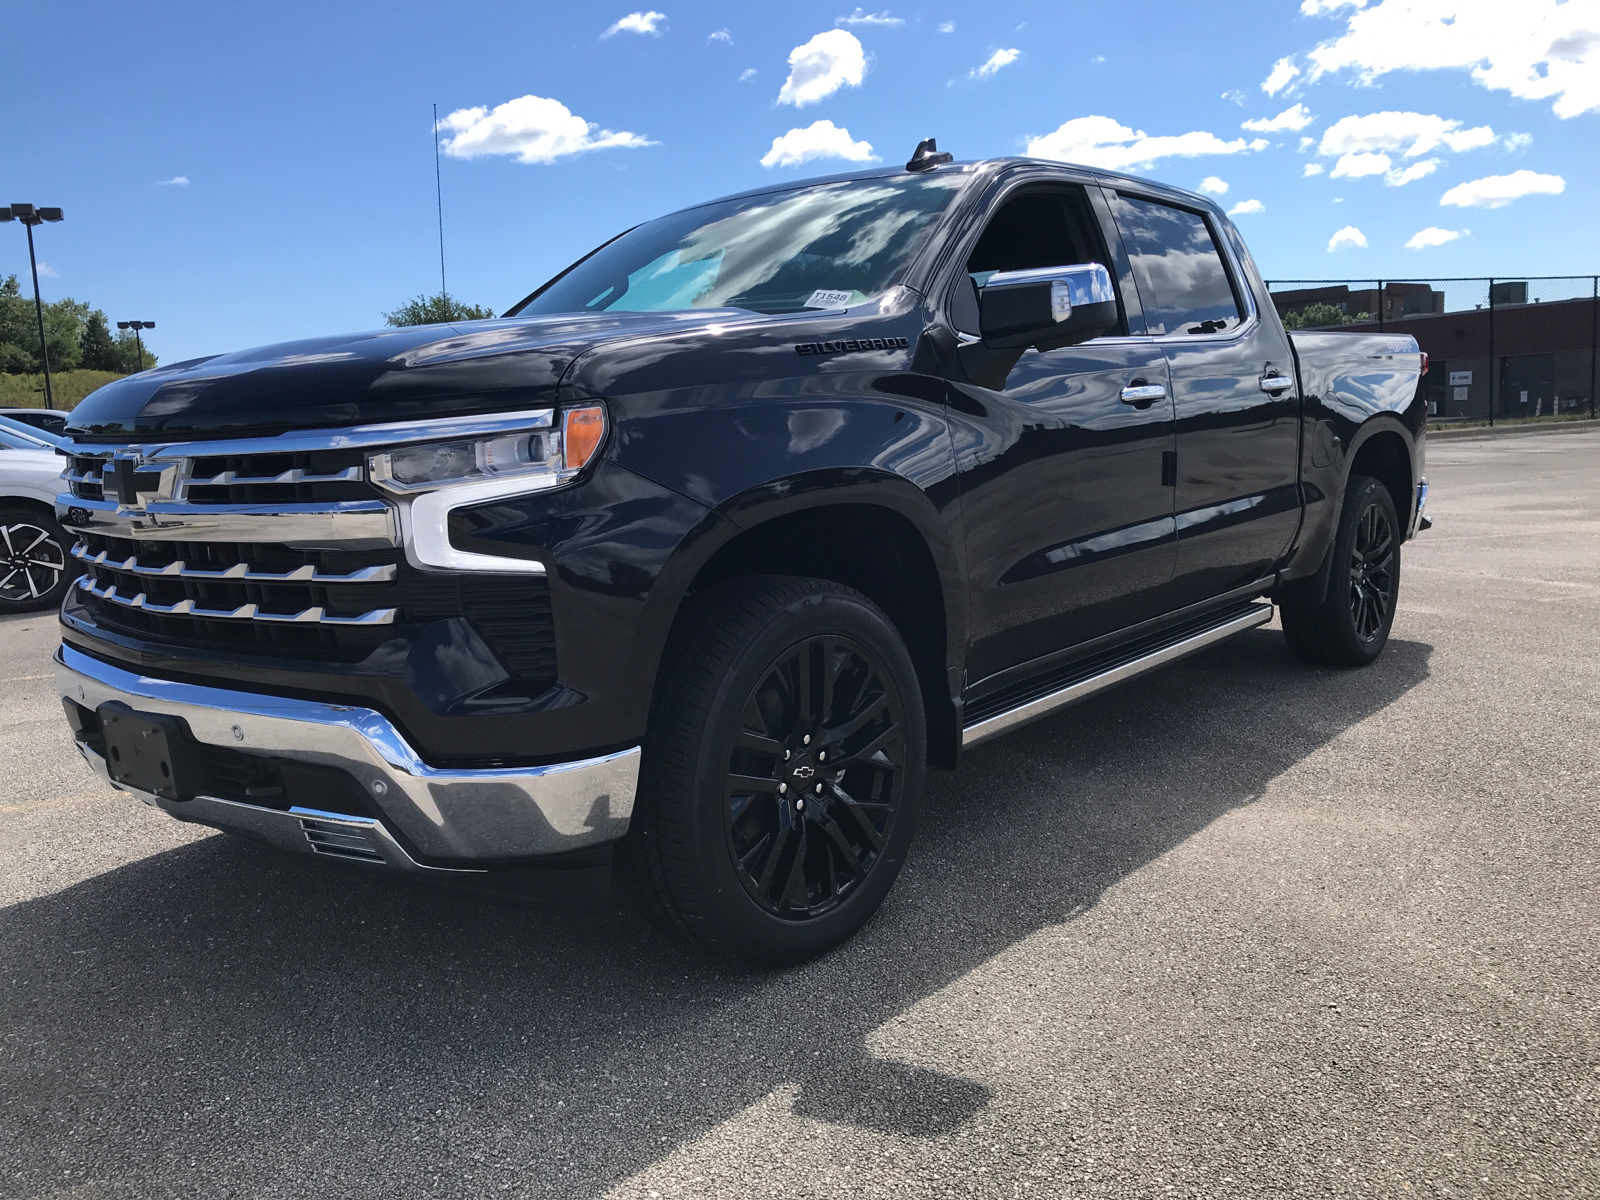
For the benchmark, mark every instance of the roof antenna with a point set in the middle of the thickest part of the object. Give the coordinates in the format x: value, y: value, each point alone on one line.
x: 928, y: 157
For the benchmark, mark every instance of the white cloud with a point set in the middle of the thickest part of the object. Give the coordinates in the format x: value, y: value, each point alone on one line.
x: 1416, y: 171
x: 1497, y: 191
x: 1534, y: 49
x: 1294, y: 119
x: 46, y: 270
x: 183, y: 181
x: 1102, y: 142
x: 1356, y: 166
x: 1245, y: 207
x: 1282, y: 72
x: 1323, y: 8
x: 1215, y: 186
x: 1306, y: 143
x: 1312, y: 169
x: 1348, y: 238
x: 1408, y: 132
x: 820, y: 139
x: 652, y: 23
x: 746, y: 75
x: 1000, y: 58
x: 1434, y: 236
x: 532, y: 128
x: 1098, y: 59
x: 1233, y: 95
x: 865, y: 18
x: 947, y: 26
x: 722, y: 35
x: 1518, y: 141
x: 822, y: 66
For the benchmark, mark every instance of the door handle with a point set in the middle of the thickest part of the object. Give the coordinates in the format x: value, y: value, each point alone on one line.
x: 1276, y: 383
x: 1143, y: 395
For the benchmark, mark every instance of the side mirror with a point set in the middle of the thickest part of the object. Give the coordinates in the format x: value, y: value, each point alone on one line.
x: 1047, y: 307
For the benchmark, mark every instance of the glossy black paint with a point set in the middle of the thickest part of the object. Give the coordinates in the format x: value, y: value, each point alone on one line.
x: 1044, y: 503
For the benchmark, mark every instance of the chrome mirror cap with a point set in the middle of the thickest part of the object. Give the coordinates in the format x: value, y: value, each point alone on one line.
x: 1047, y: 307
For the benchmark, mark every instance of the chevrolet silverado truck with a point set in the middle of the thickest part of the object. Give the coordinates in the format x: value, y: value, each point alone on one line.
x: 690, y: 565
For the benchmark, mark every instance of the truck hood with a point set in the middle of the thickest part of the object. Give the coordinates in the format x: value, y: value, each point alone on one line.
x: 365, y: 378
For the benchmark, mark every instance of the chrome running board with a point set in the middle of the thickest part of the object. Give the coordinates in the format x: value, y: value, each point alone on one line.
x: 1184, y: 645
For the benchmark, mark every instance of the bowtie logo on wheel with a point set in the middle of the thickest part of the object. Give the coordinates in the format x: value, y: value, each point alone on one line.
x: 136, y: 484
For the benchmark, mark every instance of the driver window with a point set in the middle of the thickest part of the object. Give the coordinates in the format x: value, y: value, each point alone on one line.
x: 1052, y: 227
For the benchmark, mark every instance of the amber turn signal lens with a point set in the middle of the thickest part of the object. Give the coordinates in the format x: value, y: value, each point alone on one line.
x: 584, y: 431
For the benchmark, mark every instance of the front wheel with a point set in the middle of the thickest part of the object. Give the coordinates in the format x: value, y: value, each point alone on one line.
x: 34, y: 558
x: 783, y: 770
x: 1348, y: 624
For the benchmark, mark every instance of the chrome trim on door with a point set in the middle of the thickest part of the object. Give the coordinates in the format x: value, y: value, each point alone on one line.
x: 982, y: 731
x: 445, y: 813
x: 1143, y: 393
x: 1276, y: 383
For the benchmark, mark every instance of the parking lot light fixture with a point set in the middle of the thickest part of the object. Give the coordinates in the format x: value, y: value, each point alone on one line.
x: 136, y: 326
x: 31, y: 216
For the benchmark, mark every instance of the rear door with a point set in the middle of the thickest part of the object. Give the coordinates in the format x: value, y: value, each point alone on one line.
x: 1067, y: 514
x: 1237, y: 497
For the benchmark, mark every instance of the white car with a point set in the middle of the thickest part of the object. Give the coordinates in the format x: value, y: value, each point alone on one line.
x: 34, y: 551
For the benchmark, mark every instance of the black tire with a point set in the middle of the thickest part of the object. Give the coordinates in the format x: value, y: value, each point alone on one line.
x: 35, y: 561
x: 746, y: 835
x: 1347, y: 624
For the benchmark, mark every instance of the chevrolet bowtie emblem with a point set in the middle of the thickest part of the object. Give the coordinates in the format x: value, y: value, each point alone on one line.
x: 134, y: 484
x: 803, y: 772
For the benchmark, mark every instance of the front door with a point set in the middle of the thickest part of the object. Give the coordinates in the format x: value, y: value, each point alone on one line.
x: 1068, y: 518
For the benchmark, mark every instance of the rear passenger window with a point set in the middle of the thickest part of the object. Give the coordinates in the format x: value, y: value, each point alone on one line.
x: 1182, y: 284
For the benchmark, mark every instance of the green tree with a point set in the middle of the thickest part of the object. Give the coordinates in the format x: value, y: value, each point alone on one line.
x: 19, y: 331
x: 1320, y: 316
x: 97, y: 349
x: 439, y: 309
x: 127, y: 350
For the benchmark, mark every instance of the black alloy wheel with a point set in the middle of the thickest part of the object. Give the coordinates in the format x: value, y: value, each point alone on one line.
x: 33, y: 562
x: 814, y: 777
x: 782, y: 771
x: 1372, y: 575
x: 1341, y: 617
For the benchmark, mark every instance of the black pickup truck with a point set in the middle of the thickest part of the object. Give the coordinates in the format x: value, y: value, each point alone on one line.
x: 690, y: 565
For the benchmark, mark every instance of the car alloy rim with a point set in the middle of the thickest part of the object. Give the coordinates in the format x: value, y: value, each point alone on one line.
x: 1372, y: 573
x: 31, y: 562
x: 814, y: 777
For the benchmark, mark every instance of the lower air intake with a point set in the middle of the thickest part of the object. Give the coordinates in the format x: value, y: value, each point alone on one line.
x: 340, y: 841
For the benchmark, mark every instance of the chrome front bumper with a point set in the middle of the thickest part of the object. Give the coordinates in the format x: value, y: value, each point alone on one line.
x: 453, y: 816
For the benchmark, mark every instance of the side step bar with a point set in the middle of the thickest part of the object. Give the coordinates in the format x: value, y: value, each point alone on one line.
x: 1184, y: 645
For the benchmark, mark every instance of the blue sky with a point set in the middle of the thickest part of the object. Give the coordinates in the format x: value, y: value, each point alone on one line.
x: 301, y: 134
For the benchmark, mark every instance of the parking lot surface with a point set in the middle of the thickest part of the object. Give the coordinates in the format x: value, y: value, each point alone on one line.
x: 1242, y: 927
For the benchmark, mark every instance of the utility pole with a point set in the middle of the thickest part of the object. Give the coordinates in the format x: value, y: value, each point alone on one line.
x: 31, y: 216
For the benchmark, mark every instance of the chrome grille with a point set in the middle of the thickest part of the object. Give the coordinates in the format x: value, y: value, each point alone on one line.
x: 278, y: 547
x: 283, y: 477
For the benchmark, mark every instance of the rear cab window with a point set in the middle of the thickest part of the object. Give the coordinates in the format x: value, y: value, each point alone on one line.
x: 1184, y: 285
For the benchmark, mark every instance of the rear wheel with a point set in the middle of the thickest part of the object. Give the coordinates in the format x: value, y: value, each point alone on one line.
x: 783, y: 770
x: 34, y: 560
x: 1347, y: 624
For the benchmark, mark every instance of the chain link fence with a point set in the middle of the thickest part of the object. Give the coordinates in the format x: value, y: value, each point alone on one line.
x: 1502, y: 348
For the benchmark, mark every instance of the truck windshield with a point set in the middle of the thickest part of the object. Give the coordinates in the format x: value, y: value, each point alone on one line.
x: 825, y: 246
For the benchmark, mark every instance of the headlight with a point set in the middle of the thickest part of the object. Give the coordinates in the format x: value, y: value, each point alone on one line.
x: 539, y: 456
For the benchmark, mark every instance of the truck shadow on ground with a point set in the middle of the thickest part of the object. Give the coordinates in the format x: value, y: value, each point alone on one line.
x: 223, y: 1020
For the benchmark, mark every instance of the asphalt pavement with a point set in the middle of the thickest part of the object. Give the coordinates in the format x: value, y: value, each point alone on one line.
x: 1238, y: 928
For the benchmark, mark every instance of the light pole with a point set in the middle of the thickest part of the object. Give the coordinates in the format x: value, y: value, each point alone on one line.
x: 31, y: 216
x: 136, y: 326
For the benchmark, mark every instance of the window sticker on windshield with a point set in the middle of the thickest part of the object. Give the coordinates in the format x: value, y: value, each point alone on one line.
x: 821, y: 298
